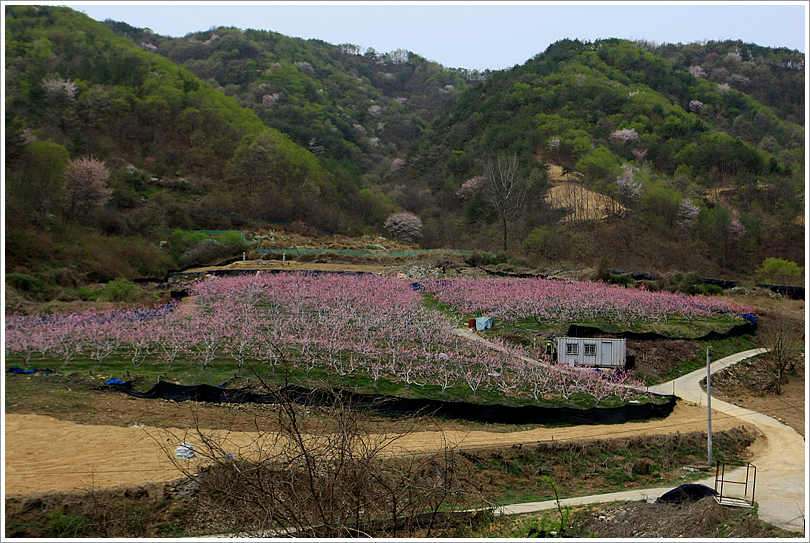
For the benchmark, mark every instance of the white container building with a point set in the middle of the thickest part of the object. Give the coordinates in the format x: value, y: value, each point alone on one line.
x: 594, y: 352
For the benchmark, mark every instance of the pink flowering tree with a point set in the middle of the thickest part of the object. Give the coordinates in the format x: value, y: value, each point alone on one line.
x: 474, y: 375
x: 639, y: 154
x: 26, y: 337
x: 447, y: 374
x: 471, y: 186
x: 397, y: 164
x: 737, y: 230
x: 103, y: 340
x: 85, y: 188
x: 171, y: 339
x: 403, y: 226
x: 69, y: 339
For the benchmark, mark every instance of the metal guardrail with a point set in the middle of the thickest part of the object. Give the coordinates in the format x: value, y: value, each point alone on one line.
x: 735, y: 501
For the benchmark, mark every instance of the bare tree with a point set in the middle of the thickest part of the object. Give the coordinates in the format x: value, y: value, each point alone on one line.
x: 505, y: 191
x: 319, y: 472
x: 784, y: 340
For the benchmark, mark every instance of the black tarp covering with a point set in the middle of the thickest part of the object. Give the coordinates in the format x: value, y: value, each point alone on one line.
x: 687, y: 492
x: 590, y: 331
x: 198, y: 393
x: 497, y: 413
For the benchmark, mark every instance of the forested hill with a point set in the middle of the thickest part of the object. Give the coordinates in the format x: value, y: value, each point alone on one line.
x: 683, y: 168
x: 696, y: 151
x: 168, y: 138
x: 357, y: 109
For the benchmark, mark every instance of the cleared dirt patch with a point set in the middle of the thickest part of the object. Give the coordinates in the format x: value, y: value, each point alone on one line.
x: 581, y: 203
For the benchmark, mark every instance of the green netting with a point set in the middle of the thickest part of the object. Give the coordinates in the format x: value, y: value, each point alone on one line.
x: 366, y: 252
x: 215, y: 232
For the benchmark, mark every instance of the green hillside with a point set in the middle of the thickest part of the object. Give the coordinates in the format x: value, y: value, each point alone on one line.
x: 356, y: 109
x: 635, y: 127
x: 174, y: 148
x: 694, y: 153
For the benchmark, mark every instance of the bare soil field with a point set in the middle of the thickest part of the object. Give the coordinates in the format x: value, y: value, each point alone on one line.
x: 100, y: 455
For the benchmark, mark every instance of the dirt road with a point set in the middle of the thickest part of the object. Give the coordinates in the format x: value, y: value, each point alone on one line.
x: 44, y: 454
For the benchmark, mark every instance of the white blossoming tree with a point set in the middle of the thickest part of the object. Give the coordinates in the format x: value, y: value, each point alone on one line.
x: 403, y: 226
x: 85, y: 188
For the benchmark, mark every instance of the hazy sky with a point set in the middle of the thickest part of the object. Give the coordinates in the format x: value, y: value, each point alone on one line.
x: 473, y: 35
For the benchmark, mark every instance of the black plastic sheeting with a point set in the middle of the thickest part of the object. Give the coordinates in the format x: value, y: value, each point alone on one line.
x: 788, y: 291
x: 687, y: 492
x: 590, y: 331
x: 497, y: 413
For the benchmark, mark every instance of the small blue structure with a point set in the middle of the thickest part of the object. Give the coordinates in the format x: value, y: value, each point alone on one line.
x: 483, y: 323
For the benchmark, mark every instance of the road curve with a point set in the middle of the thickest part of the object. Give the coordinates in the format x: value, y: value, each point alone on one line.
x: 781, y: 486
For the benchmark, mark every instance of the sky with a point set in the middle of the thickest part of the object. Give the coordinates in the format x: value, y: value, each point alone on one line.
x: 473, y: 35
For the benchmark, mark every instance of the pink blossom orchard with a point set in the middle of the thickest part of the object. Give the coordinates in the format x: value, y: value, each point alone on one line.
x: 339, y: 324
x: 554, y: 301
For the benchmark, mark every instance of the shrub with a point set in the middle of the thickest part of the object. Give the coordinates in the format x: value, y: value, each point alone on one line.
x: 486, y: 259
x: 780, y: 272
x: 198, y: 248
x: 181, y: 241
x: 623, y: 280
x: 711, y: 290
x: 145, y: 258
x: 204, y: 252
x: 26, y: 283
x: 121, y: 290
x: 232, y: 240
x: 62, y: 525
x: 88, y: 295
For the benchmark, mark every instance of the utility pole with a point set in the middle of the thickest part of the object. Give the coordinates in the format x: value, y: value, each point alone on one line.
x: 709, y: 398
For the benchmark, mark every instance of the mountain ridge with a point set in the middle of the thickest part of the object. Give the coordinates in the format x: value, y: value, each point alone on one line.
x: 223, y: 123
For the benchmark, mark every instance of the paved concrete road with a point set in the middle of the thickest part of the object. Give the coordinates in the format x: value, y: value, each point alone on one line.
x: 780, y: 463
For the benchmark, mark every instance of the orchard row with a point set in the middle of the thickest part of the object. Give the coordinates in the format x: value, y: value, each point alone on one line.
x: 347, y: 325
x: 559, y: 302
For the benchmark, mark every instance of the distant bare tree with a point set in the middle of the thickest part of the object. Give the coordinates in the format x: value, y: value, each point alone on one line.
x: 784, y: 340
x: 505, y: 191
